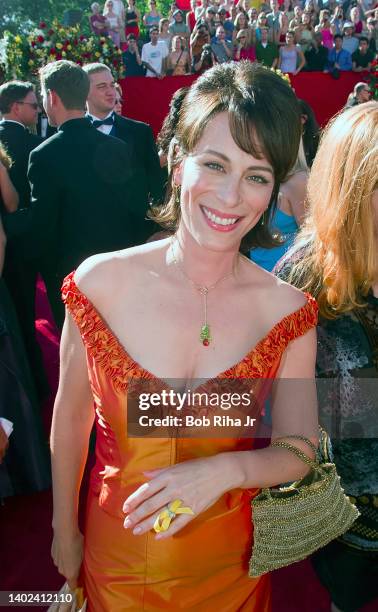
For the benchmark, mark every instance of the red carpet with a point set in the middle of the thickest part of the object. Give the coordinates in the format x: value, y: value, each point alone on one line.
x: 25, y: 526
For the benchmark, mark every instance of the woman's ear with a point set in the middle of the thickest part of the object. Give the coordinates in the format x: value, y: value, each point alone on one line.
x: 177, y: 174
x: 173, y: 156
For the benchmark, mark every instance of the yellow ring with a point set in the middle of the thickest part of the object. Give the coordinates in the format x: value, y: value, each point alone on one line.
x: 166, y: 516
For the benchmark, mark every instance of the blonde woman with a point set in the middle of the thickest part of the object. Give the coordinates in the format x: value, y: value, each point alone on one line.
x: 164, y: 34
x: 284, y: 27
x: 244, y: 50
x: 262, y: 22
x: 336, y: 257
x: 304, y: 33
x: 242, y: 23
x: 178, y: 61
x: 326, y: 28
x: 114, y: 22
x: 355, y: 17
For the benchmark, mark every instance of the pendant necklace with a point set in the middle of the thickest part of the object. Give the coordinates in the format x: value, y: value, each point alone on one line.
x: 205, y: 333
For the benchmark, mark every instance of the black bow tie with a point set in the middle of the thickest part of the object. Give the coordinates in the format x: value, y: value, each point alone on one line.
x: 98, y: 122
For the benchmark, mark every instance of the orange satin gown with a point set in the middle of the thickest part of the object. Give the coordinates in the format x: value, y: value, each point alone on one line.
x: 203, y: 568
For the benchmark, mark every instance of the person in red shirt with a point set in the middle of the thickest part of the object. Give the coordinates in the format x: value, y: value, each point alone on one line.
x: 244, y: 51
x: 191, y: 16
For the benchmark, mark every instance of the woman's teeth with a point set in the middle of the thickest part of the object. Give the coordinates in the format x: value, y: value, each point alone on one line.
x: 218, y: 220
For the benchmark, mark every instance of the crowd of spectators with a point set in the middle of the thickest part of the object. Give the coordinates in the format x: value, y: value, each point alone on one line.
x: 292, y: 35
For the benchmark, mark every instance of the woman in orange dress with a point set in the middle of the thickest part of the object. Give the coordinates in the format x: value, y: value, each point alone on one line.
x: 185, y: 313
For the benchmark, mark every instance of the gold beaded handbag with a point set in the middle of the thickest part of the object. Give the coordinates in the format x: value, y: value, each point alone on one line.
x: 290, y: 523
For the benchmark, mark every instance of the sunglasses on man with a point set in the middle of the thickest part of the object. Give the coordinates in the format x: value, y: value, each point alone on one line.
x: 34, y: 105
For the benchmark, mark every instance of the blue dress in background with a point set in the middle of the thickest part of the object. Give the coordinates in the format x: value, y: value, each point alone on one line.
x: 286, y: 226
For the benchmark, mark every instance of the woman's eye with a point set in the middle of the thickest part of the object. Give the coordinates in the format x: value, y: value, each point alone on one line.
x: 257, y: 179
x: 214, y: 166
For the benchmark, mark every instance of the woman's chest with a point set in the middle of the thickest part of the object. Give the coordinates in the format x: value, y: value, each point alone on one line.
x: 189, y: 335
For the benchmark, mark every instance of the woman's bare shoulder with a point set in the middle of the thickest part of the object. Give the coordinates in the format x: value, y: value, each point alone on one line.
x: 281, y: 299
x: 296, y: 182
x: 101, y: 275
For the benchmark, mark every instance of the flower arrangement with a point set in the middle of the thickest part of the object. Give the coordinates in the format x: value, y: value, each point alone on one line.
x: 23, y: 56
x: 284, y: 75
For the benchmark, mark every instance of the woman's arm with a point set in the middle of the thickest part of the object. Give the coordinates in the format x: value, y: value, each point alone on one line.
x: 71, y: 426
x: 294, y: 412
x: 8, y: 192
x: 279, y: 58
x: 293, y: 196
x: 302, y: 61
x: 238, y: 52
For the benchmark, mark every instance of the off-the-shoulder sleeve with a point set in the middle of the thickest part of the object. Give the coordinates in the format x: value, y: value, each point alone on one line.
x: 98, y: 339
x: 260, y: 361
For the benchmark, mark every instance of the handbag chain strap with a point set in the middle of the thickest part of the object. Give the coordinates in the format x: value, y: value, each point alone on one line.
x: 298, y: 437
x: 294, y: 449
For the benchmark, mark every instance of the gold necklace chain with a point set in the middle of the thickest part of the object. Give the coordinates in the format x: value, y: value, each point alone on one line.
x: 205, y: 335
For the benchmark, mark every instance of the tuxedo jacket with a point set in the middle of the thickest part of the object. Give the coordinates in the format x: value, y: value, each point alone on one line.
x: 19, y: 142
x: 82, y: 201
x: 148, y: 179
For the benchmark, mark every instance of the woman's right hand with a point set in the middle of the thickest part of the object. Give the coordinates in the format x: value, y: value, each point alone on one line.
x: 67, y: 554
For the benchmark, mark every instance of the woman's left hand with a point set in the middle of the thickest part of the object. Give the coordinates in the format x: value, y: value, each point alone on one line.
x: 198, y: 483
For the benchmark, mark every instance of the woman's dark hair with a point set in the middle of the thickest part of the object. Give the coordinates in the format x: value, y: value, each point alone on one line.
x: 264, y: 119
x: 310, y: 133
x: 168, y: 129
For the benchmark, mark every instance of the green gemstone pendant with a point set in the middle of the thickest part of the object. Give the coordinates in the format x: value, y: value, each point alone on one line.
x: 205, y: 335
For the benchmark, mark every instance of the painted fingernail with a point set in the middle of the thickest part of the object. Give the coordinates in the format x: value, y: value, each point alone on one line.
x: 137, y: 530
x: 127, y: 523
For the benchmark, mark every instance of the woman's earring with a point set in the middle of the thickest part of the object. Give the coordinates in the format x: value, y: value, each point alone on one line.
x: 178, y: 194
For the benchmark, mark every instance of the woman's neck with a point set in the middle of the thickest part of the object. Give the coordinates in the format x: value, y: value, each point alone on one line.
x: 203, y: 266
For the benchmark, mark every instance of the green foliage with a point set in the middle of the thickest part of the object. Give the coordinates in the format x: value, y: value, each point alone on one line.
x: 19, y: 16
x: 19, y: 20
x: 24, y: 55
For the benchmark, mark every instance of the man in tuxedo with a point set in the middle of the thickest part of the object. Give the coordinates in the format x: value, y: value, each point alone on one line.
x: 19, y: 108
x: 147, y: 181
x: 80, y: 203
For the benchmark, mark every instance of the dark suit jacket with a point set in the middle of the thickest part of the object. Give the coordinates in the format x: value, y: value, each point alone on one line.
x: 19, y: 142
x: 81, y: 198
x: 148, y: 179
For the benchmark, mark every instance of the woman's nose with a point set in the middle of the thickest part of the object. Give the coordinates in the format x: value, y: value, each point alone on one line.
x: 230, y: 192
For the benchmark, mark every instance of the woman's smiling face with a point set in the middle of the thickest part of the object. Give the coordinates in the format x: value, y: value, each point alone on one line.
x: 224, y: 190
